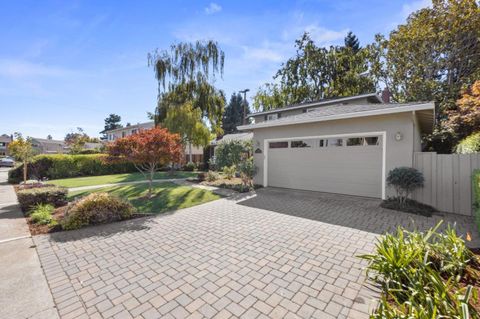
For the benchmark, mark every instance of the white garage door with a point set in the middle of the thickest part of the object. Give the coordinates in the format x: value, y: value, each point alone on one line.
x: 345, y: 165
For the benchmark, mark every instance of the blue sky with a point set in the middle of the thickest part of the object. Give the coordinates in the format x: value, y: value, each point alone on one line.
x: 67, y: 64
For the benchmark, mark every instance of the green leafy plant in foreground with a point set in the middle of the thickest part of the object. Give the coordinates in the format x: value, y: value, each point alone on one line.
x: 423, y: 275
x: 42, y: 214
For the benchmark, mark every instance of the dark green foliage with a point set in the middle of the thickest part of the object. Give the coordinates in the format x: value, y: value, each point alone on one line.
x: 423, y: 275
x: 405, y: 180
x: 234, y: 115
x: 64, y: 166
x: 112, y: 122
x: 476, y: 196
x: 247, y: 171
x: 232, y: 153
x: 96, y: 208
x: 28, y: 198
x: 410, y: 206
x: 352, y: 42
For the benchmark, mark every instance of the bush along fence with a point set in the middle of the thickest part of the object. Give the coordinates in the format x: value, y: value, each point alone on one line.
x: 448, y: 181
x: 64, y: 166
x: 476, y: 195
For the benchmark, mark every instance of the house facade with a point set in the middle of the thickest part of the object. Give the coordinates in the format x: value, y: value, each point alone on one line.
x: 344, y: 145
x: 5, y: 140
x: 49, y: 146
x: 112, y: 135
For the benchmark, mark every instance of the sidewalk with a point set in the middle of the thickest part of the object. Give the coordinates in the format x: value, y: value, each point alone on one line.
x: 25, y: 292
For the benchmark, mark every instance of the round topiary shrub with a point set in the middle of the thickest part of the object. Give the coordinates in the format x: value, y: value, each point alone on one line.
x: 405, y: 180
x: 96, y: 208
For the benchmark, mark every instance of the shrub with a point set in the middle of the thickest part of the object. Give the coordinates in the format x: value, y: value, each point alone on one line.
x: 476, y: 194
x: 247, y: 170
x: 28, y: 198
x: 96, y: 208
x: 42, y: 214
x: 469, y: 145
x: 422, y: 275
x: 229, y: 171
x: 56, y: 166
x: 405, y: 180
x: 201, y: 176
x: 189, y: 167
x: 232, y: 153
x: 211, y: 176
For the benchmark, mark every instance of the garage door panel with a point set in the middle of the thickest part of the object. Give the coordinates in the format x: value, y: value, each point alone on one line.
x: 346, y: 170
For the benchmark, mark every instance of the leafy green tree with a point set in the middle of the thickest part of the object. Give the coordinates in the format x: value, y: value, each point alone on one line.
x: 77, y: 140
x: 315, y: 73
x: 186, y: 73
x: 234, y: 114
x: 21, y: 148
x: 188, y: 123
x: 112, y: 122
x: 232, y: 153
x: 431, y: 57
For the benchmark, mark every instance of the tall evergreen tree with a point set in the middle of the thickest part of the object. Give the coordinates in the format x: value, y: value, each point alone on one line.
x: 352, y: 42
x: 234, y: 113
x: 111, y: 122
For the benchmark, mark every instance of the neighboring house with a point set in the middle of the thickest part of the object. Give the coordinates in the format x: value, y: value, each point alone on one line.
x: 5, y: 140
x: 112, y: 135
x: 344, y: 145
x: 92, y: 146
x: 49, y: 146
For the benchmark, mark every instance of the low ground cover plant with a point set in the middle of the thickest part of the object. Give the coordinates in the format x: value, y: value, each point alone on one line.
x: 229, y: 171
x: 42, y: 214
x: 96, y: 208
x: 53, y: 195
x: 425, y: 275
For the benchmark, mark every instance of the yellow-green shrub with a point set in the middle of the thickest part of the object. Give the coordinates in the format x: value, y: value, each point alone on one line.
x: 96, y: 208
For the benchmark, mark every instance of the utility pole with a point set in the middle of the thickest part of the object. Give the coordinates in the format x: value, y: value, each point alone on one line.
x: 244, y: 105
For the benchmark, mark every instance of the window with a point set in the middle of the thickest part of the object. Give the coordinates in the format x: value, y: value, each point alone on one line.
x: 134, y: 131
x: 124, y: 134
x: 272, y: 117
x: 278, y: 145
x: 355, y: 141
x: 334, y: 142
x: 372, y: 140
x: 301, y: 144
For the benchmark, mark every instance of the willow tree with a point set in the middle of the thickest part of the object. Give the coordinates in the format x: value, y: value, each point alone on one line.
x: 185, y: 74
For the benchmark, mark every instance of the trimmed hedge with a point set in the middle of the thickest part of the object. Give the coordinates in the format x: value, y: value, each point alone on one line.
x: 29, y: 198
x: 64, y: 166
x: 476, y: 194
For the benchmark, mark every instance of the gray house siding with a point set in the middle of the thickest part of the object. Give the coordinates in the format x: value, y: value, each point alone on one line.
x: 397, y: 153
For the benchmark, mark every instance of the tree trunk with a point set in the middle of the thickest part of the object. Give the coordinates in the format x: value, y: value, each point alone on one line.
x: 24, y: 172
x: 189, y: 152
x: 150, y: 182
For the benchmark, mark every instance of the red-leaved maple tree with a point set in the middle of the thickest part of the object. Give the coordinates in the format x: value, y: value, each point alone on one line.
x: 149, y: 150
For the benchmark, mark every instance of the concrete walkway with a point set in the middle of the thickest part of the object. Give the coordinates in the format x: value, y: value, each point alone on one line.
x: 24, y: 289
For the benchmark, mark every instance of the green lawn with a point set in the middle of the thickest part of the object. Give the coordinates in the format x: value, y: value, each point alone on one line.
x: 117, y: 178
x: 167, y: 196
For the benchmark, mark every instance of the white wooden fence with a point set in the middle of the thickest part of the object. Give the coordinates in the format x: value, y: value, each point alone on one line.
x: 448, y: 181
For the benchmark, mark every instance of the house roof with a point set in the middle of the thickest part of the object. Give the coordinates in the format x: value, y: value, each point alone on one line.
x: 425, y: 116
x: 375, y: 96
x: 48, y: 141
x: 234, y: 137
x: 152, y: 123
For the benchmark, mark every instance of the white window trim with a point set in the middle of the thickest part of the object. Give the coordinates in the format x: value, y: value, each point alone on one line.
x: 383, y: 134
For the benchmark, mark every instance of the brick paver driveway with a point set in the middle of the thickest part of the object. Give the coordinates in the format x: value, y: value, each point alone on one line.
x: 281, y: 254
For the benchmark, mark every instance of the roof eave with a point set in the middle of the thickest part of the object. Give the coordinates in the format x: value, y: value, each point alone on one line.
x: 408, y: 108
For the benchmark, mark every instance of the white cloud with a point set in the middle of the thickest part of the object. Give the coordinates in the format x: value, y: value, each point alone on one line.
x: 324, y: 36
x: 213, y: 8
x: 262, y: 53
x: 413, y: 6
x: 26, y: 69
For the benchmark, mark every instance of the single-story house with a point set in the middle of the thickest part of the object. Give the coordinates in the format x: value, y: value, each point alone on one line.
x: 345, y: 145
x: 112, y: 135
x: 49, y: 146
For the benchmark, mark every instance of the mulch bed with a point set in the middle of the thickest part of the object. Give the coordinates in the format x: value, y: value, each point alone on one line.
x: 411, y: 206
